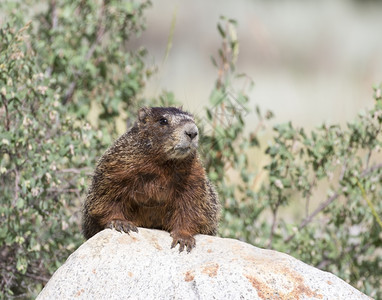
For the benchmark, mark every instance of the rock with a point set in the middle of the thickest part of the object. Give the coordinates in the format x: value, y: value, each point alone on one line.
x: 113, y: 265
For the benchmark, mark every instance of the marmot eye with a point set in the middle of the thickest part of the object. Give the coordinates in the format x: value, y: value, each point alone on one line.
x: 163, y: 121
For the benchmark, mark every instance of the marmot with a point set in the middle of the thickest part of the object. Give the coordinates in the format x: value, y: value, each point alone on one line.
x: 153, y: 177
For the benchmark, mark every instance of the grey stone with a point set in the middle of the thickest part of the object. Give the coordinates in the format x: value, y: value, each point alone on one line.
x: 113, y: 265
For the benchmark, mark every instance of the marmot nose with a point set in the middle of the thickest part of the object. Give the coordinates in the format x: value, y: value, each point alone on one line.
x: 191, y: 133
x: 190, y: 130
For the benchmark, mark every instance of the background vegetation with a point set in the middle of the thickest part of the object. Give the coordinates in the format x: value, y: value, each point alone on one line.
x: 72, y: 64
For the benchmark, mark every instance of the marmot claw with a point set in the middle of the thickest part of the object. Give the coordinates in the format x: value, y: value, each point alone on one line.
x: 184, y: 240
x: 122, y: 226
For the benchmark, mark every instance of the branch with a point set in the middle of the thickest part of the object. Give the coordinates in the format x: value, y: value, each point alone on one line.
x: 312, y: 215
x: 6, y: 120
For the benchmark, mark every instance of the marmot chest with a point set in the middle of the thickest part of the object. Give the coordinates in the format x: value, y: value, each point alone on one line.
x: 153, y: 190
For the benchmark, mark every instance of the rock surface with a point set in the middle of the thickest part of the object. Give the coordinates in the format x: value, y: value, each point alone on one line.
x: 113, y: 265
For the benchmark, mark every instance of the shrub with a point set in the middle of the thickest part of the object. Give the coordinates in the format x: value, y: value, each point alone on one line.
x: 342, y: 234
x: 51, y: 78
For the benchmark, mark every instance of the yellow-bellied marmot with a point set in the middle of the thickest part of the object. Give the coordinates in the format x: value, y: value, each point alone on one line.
x: 152, y: 177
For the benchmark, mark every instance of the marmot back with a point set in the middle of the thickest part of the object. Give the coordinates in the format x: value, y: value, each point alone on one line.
x: 152, y: 177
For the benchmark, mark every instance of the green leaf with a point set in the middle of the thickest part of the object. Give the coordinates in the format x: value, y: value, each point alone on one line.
x: 221, y: 31
x: 22, y: 265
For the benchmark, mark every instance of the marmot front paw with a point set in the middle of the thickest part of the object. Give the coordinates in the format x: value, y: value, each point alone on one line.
x: 122, y: 226
x: 183, y: 240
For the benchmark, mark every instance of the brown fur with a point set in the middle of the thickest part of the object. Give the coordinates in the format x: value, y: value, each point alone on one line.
x: 152, y: 177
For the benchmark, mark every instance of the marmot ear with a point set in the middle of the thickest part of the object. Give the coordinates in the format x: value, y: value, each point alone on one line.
x: 143, y: 113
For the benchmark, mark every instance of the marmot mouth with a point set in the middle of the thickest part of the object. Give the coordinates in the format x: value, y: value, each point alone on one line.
x: 182, y: 151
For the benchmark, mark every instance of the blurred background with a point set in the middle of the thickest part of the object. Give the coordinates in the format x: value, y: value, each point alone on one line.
x: 316, y: 196
x: 311, y: 61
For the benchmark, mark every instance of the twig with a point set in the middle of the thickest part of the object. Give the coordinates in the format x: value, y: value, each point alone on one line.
x: 63, y: 190
x: 69, y: 93
x: 273, y: 228
x: 368, y: 158
x: 76, y: 171
x: 21, y: 296
x: 223, y: 70
x: 53, y: 26
x: 373, y: 211
x: 343, y: 171
x: 371, y: 170
x: 314, y: 182
x: 100, y: 33
x: 54, y: 14
x: 40, y: 278
x: 17, y: 181
x: 170, y: 37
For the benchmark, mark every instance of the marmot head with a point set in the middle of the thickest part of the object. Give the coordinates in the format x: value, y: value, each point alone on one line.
x: 169, y: 130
